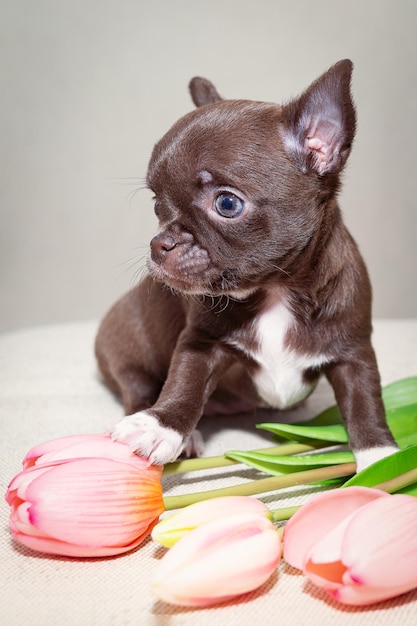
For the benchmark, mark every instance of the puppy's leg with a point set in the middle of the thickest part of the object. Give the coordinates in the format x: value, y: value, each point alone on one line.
x: 163, y: 431
x: 357, y: 389
x: 134, y: 347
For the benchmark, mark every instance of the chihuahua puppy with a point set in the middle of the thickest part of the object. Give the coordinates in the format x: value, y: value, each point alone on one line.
x: 255, y: 286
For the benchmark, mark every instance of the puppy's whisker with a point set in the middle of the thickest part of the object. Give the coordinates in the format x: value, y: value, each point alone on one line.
x: 129, y: 180
x: 138, y: 182
x: 141, y: 179
x: 217, y: 302
x: 135, y: 258
x: 132, y: 194
x: 214, y: 302
x: 139, y: 272
x: 131, y: 263
x: 139, y: 275
x: 224, y: 307
x: 280, y: 269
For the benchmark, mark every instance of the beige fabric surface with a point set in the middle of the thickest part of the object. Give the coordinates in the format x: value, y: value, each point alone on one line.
x: 49, y: 388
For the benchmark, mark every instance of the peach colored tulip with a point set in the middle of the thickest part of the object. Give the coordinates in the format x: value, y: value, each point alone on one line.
x: 358, y: 544
x: 171, y: 529
x: 219, y: 560
x: 84, y: 496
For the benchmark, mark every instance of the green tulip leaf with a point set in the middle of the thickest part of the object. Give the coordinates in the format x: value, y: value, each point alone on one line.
x: 265, y: 464
x: 319, y: 459
x: 335, y: 433
x: 401, y: 420
x: 400, y: 393
x: 277, y: 465
x: 403, y: 424
x: 388, y: 469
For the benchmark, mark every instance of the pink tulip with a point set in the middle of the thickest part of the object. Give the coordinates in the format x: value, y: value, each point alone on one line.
x: 171, y: 529
x: 358, y: 544
x: 219, y: 560
x: 84, y: 496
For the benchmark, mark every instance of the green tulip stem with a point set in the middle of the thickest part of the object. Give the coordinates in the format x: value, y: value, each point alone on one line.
x: 281, y: 515
x: 399, y: 482
x: 262, y: 485
x: 211, y: 462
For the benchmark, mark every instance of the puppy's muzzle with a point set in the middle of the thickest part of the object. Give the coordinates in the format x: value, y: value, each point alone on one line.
x: 178, y: 258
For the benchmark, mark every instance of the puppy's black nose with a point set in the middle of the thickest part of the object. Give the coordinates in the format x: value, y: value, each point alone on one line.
x: 160, y: 246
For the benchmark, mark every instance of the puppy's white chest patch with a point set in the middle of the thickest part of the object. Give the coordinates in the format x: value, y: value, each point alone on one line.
x: 280, y: 378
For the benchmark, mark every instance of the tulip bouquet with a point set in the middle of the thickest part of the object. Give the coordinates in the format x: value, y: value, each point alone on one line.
x: 87, y: 496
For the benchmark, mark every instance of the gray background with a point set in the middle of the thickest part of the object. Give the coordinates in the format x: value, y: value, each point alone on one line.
x: 88, y: 86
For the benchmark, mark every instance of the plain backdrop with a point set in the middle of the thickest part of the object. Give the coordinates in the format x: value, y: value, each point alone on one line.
x: 88, y: 87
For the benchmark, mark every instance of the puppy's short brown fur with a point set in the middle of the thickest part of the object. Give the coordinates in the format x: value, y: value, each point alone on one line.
x: 255, y: 286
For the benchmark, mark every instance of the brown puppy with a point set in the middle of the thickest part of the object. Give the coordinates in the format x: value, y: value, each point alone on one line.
x: 255, y: 287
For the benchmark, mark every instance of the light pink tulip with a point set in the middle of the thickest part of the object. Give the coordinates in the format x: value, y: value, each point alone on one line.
x: 84, y: 496
x: 358, y: 544
x: 219, y: 560
x: 171, y: 529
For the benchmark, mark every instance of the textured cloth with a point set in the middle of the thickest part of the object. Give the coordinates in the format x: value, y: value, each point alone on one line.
x: 49, y: 387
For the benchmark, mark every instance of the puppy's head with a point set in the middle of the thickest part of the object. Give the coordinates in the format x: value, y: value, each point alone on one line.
x: 243, y: 189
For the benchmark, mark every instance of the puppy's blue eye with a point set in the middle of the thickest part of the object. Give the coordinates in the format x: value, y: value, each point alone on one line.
x: 228, y: 205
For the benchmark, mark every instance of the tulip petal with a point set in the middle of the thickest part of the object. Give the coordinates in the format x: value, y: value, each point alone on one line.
x: 328, y: 549
x: 81, y: 446
x: 360, y: 595
x: 18, y: 486
x: 51, y: 446
x: 173, y: 528
x: 317, y: 517
x: 323, y: 563
x: 219, y: 560
x: 380, y: 543
x: 48, y: 545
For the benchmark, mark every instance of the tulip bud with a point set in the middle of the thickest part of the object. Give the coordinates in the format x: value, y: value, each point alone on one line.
x: 101, y: 503
x: 171, y: 529
x: 358, y: 544
x: 218, y: 561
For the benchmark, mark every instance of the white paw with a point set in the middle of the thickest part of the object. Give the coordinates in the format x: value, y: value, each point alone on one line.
x: 364, y: 458
x: 144, y: 435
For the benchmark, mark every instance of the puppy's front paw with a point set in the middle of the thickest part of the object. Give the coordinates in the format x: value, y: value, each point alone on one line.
x: 143, y: 434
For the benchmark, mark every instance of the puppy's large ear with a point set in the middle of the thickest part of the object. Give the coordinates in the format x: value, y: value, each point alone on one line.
x: 203, y: 92
x: 319, y: 126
